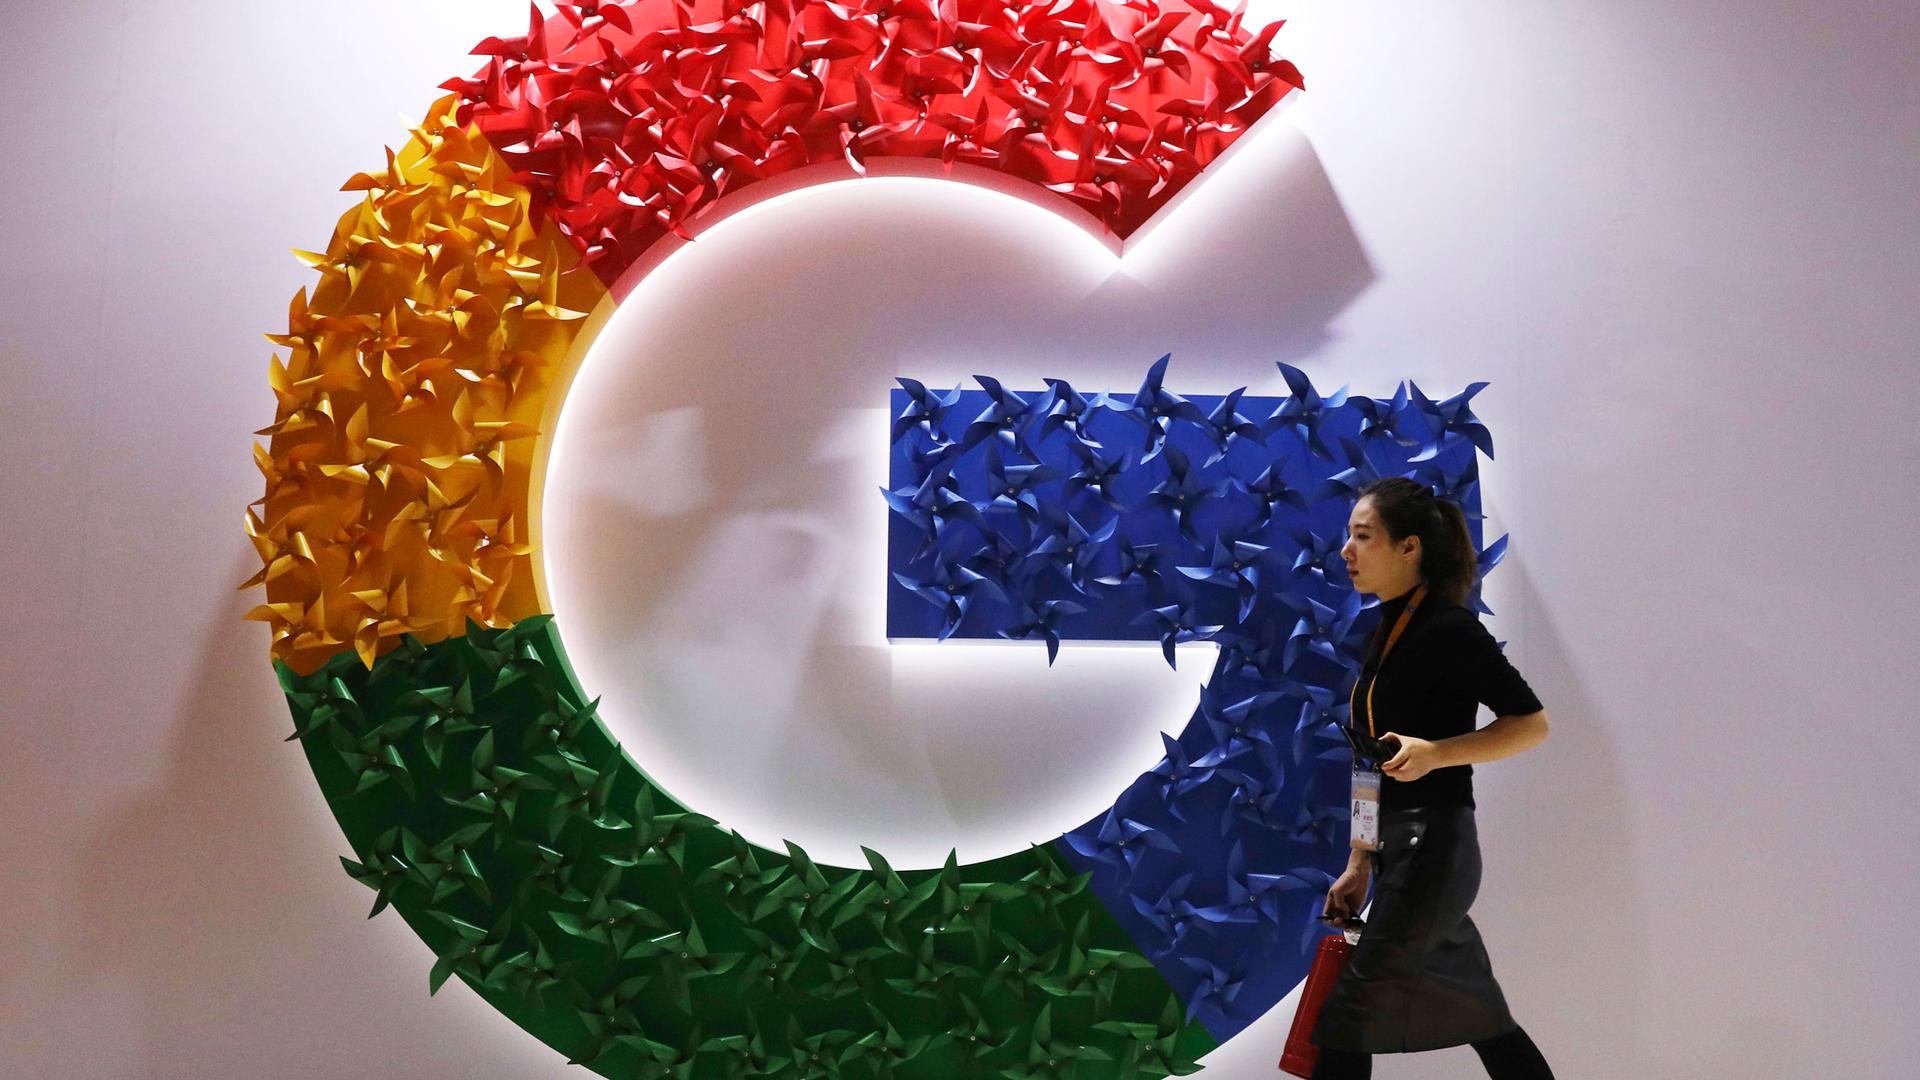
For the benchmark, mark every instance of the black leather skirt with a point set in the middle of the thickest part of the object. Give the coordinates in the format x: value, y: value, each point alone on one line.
x: 1420, y: 978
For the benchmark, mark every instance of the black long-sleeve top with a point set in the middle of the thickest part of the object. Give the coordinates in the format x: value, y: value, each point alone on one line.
x: 1444, y: 667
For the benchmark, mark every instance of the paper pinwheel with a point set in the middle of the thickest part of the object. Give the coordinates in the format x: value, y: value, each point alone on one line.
x: 1238, y: 728
x: 1000, y: 420
x: 1143, y: 562
x: 1011, y: 486
x: 926, y: 412
x: 1062, y: 541
x: 1380, y: 418
x: 1184, y: 491
x: 1153, y: 408
x: 1235, y: 566
x: 1176, y: 624
x: 953, y: 590
x: 1305, y: 412
x: 1043, y: 622
x: 1095, y: 472
x: 1321, y: 630
x: 1122, y: 843
x: 1176, y: 776
x: 1050, y: 1058
x: 1454, y: 416
x: 1255, y: 797
x: 1063, y: 408
x: 1227, y: 427
x: 934, y: 504
x: 1171, y: 916
x: 1156, y: 1050
x: 1218, y: 986
x: 1319, y: 557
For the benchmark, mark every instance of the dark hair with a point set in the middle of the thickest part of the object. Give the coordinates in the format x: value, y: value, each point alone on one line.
x: 1447, y: 558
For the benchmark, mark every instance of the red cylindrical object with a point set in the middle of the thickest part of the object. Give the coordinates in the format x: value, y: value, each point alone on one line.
x: 1301, y: 1054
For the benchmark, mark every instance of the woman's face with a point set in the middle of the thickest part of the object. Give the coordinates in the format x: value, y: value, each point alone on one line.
x: 1375, y: 563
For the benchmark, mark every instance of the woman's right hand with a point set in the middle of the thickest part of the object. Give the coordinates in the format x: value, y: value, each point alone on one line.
x: 1349, y: 891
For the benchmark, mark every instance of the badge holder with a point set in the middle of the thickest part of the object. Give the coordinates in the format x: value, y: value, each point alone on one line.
x: 1366, y: 808
x: 1366, y: 787
x: 1368, y: 749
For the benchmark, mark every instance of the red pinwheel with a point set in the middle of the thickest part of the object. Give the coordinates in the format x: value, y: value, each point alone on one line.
x: 629, y: 120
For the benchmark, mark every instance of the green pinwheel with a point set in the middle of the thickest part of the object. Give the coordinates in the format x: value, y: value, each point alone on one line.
x: 494, y: 789
x: 1155, y: 1047
x: 623, y: 926
x: 884, y: 1050
x: 384, y: 871
x: 1051, y: 1058
x: 486, y: 803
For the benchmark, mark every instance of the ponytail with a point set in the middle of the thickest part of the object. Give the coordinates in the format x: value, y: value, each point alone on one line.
x: 1408, y: 507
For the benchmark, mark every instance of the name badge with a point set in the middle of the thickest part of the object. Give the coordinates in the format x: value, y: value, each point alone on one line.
x: 1366, y: 809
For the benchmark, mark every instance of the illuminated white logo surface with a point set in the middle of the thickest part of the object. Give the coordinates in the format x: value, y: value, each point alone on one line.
x: 714, y: 538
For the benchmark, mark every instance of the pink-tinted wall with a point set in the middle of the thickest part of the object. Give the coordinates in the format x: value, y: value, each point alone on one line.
x: 1679, y: 239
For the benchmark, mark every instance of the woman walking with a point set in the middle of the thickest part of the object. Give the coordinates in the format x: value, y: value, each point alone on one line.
x: 1420, y: 978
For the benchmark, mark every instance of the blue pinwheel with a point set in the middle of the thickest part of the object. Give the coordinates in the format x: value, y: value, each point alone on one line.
x: 1235, y: 566
x: 1319, y: 558
x: 1121, y: 843
x: 1175, y: 775
x: 1322, y: 715
x: 953, y: 588
x: 1011, y: 486
x: 1462, y: 489
x: 1000, y: 419
x: 1064, y: 407
x: 1251, y: 799
x: 1304, y: 411
x: 1454, y: 416
x: 925, y: 411
x: 1320, y: 629
x: 1138, y: 562
x: 1365, y: 464
x: 1217, y: 987
x: 1064, y: 544
x: 1154, y: 407
x: 934, y: 503
x: 1171, y: 916
x: 1178, y: 623
x: 1380, y: 418
x: 1236, y: 729
x: 1096, y: 472
x: 1268, y: 892
x: 1228, y: 427
x: 1245, y: 895
x: 1269, y: 491
x: 1042, y: 620
x: 1252, y: 651
x: 1319, y: 820
x: 1184, y: 491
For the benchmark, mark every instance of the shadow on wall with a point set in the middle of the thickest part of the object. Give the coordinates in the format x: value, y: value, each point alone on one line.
x: 212, y: 913
x: 726, y: 391
x: 1563, y: 913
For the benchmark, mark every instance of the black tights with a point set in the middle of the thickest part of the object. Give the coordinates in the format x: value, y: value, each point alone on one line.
x: 1507, y: 1057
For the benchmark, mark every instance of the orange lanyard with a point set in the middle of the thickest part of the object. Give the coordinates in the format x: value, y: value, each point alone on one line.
x: 1399, y: 627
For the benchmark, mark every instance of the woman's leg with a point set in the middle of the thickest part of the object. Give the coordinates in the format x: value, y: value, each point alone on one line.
x: 1342, y: 1065
x: 1512, y: 1057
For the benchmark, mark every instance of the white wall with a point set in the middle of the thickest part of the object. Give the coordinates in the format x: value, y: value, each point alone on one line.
x: 1678, y: 238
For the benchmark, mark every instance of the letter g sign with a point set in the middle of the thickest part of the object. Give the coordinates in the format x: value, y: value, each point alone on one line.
x: 483, y: 798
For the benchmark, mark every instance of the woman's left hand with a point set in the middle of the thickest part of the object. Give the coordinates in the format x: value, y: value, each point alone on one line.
x: 1417, y: 758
